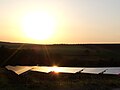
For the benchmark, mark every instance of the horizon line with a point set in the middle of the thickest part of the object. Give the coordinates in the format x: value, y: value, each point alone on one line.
x: 15, y: 42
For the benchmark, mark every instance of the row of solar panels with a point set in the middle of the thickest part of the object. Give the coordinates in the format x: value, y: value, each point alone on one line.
x: 106, y: 70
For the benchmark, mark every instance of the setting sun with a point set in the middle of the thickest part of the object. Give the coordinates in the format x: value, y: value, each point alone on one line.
x: 38, y: 25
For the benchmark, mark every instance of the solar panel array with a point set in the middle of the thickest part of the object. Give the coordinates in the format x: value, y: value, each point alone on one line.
x: 104, y: 70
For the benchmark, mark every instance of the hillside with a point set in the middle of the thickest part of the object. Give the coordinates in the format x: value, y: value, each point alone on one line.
x: 88, y: 55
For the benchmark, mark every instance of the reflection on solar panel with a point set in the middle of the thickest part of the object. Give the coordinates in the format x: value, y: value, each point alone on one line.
x: 19, y: 69
x: 105, y: 70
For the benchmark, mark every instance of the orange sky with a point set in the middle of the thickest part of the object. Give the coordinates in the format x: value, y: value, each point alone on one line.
x: 60, y: 21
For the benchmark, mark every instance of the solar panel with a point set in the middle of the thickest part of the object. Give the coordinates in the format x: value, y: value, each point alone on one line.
x: 105, y: 70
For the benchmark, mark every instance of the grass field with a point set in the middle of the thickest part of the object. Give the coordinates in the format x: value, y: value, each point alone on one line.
x: 82, y: 55
x: 74, y: 55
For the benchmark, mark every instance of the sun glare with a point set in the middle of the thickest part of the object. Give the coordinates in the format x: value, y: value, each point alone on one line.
x: 56, y: 69
x: 38, y: 25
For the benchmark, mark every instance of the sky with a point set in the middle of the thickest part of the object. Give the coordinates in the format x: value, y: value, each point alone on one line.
x: 60, y: 21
